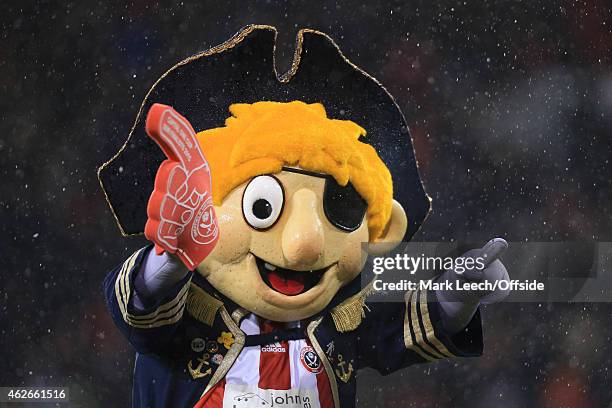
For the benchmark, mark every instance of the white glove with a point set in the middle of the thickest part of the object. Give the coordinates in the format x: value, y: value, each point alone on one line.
x: 157, y: 275
x: 458, y: 307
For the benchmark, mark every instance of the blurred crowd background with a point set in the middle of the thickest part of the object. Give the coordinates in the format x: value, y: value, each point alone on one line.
x: 510, y: 107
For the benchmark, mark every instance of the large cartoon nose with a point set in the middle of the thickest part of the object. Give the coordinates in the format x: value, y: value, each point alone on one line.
x: 303, y: 239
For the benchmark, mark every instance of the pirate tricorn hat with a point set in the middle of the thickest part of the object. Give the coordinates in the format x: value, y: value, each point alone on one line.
x: 242, y: 70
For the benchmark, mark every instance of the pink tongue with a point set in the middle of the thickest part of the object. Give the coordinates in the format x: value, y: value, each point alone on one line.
x: 290, y: 286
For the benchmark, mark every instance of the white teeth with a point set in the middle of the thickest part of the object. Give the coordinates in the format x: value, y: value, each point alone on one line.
x: 269, y: 267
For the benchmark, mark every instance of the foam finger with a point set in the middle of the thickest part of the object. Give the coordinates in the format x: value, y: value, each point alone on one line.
x: 174, y: 135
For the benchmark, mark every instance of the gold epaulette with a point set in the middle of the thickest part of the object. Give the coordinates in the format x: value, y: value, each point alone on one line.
x: 347, y: 316
x: 202, y: 306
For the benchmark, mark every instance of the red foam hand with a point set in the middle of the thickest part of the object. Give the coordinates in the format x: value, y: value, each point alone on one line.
x: 181, y: 217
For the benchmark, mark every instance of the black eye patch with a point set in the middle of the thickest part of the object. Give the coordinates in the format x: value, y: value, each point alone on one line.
x: 343, y: 205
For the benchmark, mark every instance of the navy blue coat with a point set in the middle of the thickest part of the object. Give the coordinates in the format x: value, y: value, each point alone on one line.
x: 176, y: 336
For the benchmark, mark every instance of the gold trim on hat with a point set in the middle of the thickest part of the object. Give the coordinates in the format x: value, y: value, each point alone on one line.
x: 284, y: 78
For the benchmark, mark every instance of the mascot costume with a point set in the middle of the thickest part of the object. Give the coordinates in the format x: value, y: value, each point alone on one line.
x: 256, y: 203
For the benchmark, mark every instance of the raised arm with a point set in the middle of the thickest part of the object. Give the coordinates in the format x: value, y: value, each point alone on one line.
x: 146, y: 294
x: 432, y: 325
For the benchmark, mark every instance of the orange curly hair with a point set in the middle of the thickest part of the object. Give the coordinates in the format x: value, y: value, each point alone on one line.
x: 262, y: 137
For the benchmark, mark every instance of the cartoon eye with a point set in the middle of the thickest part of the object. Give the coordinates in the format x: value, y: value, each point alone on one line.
x: 262, y: 202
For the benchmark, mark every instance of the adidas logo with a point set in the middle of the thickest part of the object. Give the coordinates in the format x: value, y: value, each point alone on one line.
x: 273, y: 348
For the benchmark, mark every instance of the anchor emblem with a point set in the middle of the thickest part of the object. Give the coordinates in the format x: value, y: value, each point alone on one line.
x: 197, y: 372
x: 344, y: 373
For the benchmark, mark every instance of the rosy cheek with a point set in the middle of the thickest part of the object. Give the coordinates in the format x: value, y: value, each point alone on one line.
x: 234, y: 236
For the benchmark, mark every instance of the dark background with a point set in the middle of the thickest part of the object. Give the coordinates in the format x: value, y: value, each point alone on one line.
x: 510, y: 108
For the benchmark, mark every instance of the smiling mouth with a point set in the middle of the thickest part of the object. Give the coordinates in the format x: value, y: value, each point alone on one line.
x: 288, y: 281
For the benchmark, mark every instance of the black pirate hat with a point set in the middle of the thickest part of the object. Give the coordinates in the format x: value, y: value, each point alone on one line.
x: 242, y: 70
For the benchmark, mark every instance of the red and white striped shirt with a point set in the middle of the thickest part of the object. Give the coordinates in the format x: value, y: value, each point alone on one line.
x: 285, y: 374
